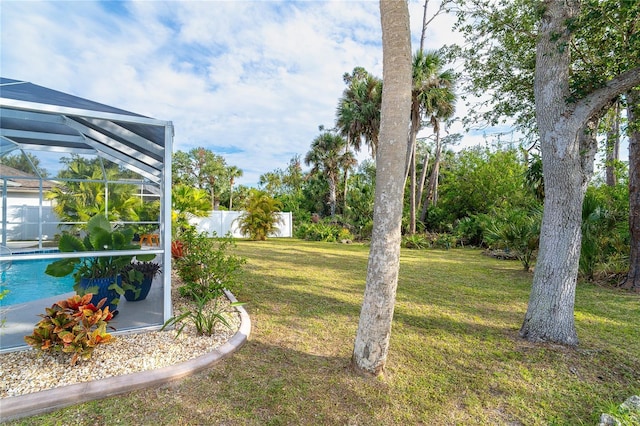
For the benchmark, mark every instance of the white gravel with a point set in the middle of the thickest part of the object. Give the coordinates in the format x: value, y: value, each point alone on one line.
x: 32, y: 370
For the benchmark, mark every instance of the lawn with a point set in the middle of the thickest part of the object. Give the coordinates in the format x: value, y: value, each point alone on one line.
x: 455, y: 355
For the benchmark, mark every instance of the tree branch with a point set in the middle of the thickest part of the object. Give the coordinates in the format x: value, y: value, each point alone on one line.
x: 585, y: 108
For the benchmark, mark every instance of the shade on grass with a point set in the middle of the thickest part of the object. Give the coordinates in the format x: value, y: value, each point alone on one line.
x: 455, y: 355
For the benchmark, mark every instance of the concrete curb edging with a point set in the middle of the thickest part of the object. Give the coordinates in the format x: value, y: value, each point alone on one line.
x: 16, y: 407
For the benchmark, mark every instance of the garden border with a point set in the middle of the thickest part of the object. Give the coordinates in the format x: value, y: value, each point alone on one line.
x: 15, y: 407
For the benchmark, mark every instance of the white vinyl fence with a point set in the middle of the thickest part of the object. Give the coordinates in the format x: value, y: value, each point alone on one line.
x: 23, y: 223
x: 223, y: 222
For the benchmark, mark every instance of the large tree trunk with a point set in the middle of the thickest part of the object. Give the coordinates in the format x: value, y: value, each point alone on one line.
x: 549, y: 314
x: 567, y: 146
x: 633, y: 114
x: 374, y: 328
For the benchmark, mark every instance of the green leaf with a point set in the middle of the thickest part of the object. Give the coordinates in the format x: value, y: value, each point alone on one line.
x: 70, y: 243
x: 118, y: 289
x: 101, y: 239
x: 61, y: 268
x: 98, y: 222
x: 145, y: 257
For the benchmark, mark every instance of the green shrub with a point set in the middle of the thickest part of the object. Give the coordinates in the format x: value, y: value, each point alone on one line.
x: 470, y: 230
x: 206, y: 268
x: 259, y: 218
x: 344, y: 235
x: 445, y: 241
x: 518, y: 233
x: 323, y: 231
x: 415, y: 241
x: 605, y: 233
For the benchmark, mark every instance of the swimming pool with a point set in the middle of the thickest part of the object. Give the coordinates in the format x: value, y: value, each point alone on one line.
x: 26, y: 281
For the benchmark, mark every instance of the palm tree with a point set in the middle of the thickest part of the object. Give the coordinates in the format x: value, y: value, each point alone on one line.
x: 187, y: 200
x: 432, y: 97
x: 271, y: 182
x: 88, y: 192
x: 371, y: 344
x: 358, y: 112
x: 328, y: 157
x: 233, y: 172
x: 259, y: 219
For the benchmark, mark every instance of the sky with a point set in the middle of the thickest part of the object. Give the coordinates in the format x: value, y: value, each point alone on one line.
x: 249, y: 80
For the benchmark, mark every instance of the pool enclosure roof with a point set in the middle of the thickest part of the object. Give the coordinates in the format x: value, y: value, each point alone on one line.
x: 35, y: 118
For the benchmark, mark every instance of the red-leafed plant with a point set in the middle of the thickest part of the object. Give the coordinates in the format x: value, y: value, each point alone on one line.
x: 74, y: 326
x: 177, y: 249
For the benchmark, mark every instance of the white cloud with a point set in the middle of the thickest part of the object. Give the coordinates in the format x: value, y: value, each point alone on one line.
x: 251, y: 80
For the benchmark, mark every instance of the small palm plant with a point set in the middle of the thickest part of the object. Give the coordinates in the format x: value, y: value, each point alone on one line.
x: 259, y: 218
x: 520, y: 233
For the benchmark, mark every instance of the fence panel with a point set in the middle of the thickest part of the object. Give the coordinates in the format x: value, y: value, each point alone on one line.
x: 223, y: 222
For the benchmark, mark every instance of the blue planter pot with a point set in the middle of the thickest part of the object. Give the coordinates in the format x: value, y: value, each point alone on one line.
x: 144, y: 286
x: 100, y: 289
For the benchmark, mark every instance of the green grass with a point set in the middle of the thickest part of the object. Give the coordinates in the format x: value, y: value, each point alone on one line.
x: 455, y: 355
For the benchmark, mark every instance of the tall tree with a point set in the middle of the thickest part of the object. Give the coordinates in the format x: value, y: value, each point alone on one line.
x: 374, y: 328
x: 566, y: 128
x: 327, y: 156
x: 233, y: 172
x: 271, y: 182
x: 427, y: 88
x: 202, y: 169
x: 433, y: 99
x: 287, y: 186
x: 576, y: 75
x: 211, y: 169
x: 358, y: 112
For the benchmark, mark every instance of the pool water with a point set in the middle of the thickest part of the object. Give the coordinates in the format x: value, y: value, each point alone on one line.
x: 26, y: 281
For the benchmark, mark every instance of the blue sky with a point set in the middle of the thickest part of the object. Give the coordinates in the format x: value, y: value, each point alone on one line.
x: 251, y: 81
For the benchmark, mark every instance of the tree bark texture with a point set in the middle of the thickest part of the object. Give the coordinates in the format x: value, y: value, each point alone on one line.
x: 567, y: 146
x: 633, y: 113
x: 331, y: 179
x: 374, y: 328
x: 549, y: 314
